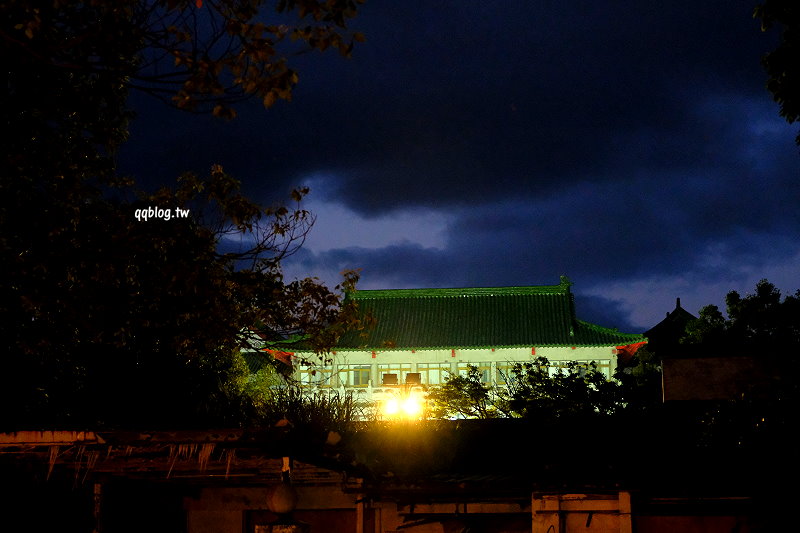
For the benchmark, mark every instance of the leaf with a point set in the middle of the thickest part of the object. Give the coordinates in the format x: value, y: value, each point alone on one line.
x: 225, y: 112
x: 297, y: 195
x: 269, y: 99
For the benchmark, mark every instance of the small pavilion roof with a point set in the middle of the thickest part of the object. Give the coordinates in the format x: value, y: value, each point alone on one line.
x: 486, y: 317
x: 668, y: 332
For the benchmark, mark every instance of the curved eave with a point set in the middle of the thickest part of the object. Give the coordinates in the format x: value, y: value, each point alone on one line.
x: 618, y: 338
x: 495, y: 347
x: 611, y: 338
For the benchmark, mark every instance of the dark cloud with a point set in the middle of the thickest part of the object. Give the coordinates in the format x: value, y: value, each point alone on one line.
x: 589, y: 95
x: 456, y: 104
x: 608, y: 142
x: 395, y: 266
x: 604, y: 312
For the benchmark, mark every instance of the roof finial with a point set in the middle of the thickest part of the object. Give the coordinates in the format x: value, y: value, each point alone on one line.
x: 565, y: 282
x: 677, y: 303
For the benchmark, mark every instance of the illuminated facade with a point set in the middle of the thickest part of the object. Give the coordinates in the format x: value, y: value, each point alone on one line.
x: 421, y: 335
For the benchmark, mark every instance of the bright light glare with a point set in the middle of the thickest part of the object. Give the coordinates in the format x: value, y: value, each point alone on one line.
x: 406, y: 407
x: 412, y: 406
x: 391, y: 407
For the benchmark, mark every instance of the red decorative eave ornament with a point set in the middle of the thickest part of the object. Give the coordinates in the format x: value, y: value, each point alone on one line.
x: 283, y: 357
x: 629, y: 350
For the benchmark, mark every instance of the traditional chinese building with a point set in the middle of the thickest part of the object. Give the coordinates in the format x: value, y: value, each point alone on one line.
x: 421, y: 335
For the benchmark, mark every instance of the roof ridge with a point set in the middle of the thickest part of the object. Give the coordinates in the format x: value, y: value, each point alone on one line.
x: 615, y: 331
x: 458, y: 291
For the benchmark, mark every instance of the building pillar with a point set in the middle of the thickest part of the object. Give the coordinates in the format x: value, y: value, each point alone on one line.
x: 97, y: 499
x: 360, y: 513
x: 545, y: 514
x: 625, y: 520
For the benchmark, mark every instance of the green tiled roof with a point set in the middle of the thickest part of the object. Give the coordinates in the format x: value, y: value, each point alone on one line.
x: 477, y: 318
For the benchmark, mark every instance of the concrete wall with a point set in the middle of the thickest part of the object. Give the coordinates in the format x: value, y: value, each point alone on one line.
x: 236, y: 509
x: 328, y: 509
x: 710, y: 378
x: 589, y: 513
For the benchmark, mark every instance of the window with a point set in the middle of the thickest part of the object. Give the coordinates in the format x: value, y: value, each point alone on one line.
x: 401, y: 369
x: 603, y: 366
x: 485, y: 370
x: 355, y: 375
x: 503, y: 373
x: 413, y: 378
x: 433, y: 373
x: 556, y: 367
x: 315, y: 377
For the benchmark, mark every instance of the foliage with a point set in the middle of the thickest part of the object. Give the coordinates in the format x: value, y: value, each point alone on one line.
x: 321, y: 411
x: 196, y: 55
x: 709, y: 327
x: 760, y: 321
x: 761, y: 419
x: 574, y: 389
x: 782, y: 64
x: 106, y: 319
x: 640, y: 383
x: 466, y: 397
x: 270, y: 399
x: 763, y: 416
x: 535, y: 390
x: 146, y: 315
x: 765, y: 326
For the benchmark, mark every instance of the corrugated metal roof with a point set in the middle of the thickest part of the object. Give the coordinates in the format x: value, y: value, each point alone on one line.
x: 477, y: 318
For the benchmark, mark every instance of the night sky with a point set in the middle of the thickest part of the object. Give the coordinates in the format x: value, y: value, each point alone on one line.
x: 631, y: 146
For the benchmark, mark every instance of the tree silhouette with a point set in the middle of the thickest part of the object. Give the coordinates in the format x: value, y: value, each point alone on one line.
x: 783, y: 63
x: 109, y: 319
x: 760, y: 322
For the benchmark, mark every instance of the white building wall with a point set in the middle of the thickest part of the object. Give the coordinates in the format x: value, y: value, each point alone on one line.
x: 338, y: 375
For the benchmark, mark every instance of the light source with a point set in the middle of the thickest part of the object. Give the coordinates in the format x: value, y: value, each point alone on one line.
x: 408, y: 405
